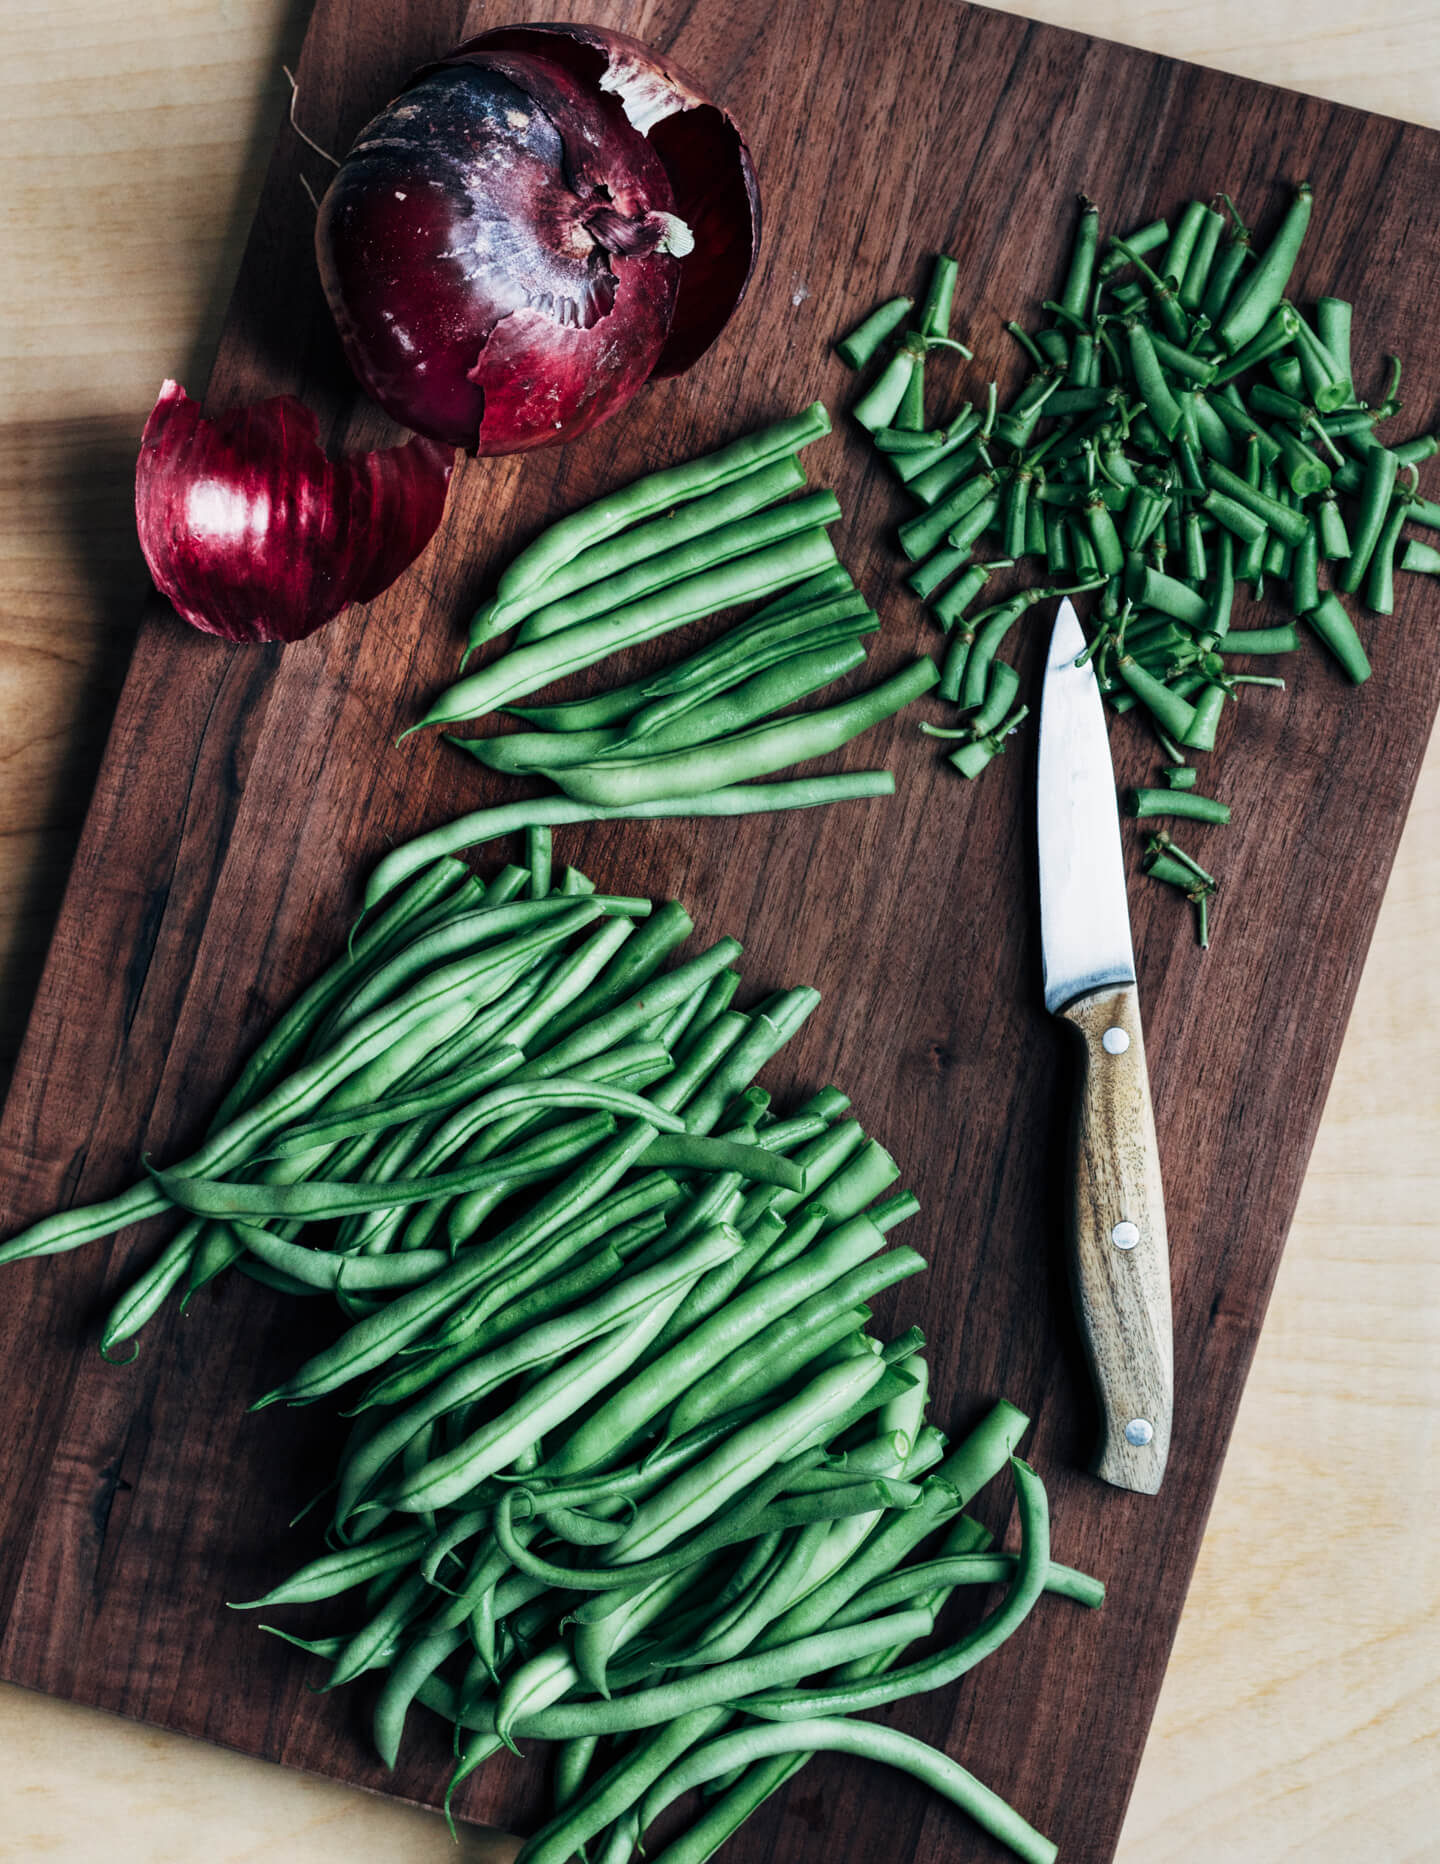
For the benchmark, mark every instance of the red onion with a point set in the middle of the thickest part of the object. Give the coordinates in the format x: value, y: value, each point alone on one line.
x: 532, y: 229
x: 255, y: 536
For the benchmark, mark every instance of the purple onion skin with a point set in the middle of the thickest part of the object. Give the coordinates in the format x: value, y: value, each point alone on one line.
x: 255, y: 535
x: 494, y: 247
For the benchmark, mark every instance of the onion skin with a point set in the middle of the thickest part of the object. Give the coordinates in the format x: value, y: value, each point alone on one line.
x: 500, y: 249
x: 254, y: 535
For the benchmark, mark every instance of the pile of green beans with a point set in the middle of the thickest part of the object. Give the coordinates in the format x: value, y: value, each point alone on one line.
x: 628, y: 1470
x: 675, y: 547
x: 1186, y: 433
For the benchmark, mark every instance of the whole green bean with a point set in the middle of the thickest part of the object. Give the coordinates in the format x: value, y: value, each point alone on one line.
x: 710, y: 1344
x: 656, y: 492
x: 487, y: 824
x: 769, y: 690
x: 557, y: 1396
x: 752, y: 753
x: 754, y: 531
x: 868, y: 1741
x: 599, y: 565
x: 1027, y: 1583
x: 525, y: 669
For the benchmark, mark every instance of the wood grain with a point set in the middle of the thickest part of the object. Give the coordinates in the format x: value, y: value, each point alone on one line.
x: 977, y: 923
x: 1122, y: 1294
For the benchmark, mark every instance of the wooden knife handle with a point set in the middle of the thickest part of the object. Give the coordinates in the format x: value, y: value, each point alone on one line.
x: 1119, y: 1254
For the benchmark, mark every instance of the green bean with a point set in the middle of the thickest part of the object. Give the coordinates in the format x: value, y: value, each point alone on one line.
x: 773, y: 1354
x: 885, y: 399
x: 1326, y: 380
x: 627, y: 972
x: 1415, y: 452
x: 1027, y: 1583
x: 375, y: 1035
x: 334, y: 1573
x: 444, y: 882
x: 1380, y: 577
x: 524, y: 669
x: 1334, y: 538
x: 698, y: 1492
x: 643, y: 1708
x: 1264, y: 287
x: 749, y: 754
x: 1150, y: 379
x: 921, y: 535
x: 708, y: 1345
x: 361, y: 1651
x: 596, y: 572
x: 769, y: 690
x: 504, y: 1316
x: 533, y: 932
x: 572, y: 1762
x: 930, y: 475
x: 620, y: 1787
x: 1381, y: 469
x: 1075, y: 298
x: 705, y: 551
x: 865, y: 340
x: 595, y: 1639
x: 486, y: 1372
x: 1283, y: 639
x: 935, y: 312
x: 1305, y: 470
x: 656, y: 492
x: 738, y: 661
x: 322, y: 1269
x: 781, y: 619
x: 1289, y: 524
x: 399, y: 1109
x: 147, y: 1294
x: 401, y: 1686
x: 487, y: 824
x: 1422, y: 559
x: 550, y: 1401
x: 753, y: 1162
x: 768, y: 1029
x: 1143, y: 802
x: 774, y: 678
x: 866, y: 1740
x: 1202, y: 258
x: 315, y: 1199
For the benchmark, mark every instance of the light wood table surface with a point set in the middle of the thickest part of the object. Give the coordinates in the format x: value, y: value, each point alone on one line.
x: 1300, y: 1714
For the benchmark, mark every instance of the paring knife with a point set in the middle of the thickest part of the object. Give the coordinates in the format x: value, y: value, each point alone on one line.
x: 1119, y: 1259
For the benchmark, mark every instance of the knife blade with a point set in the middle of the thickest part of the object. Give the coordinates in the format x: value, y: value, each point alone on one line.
x: 1119, y: 1251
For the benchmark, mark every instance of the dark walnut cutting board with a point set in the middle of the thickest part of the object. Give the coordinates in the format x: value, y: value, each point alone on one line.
x: 245, y: 792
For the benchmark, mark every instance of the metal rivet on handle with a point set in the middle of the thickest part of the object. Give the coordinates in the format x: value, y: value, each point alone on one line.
x: 1115, y: 1041
x: 1139, y: 1431
x: 1125, y: 1235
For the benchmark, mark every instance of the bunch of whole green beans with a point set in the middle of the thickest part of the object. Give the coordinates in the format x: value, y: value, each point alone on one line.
x: 1186, y: 431
x: 677, y: 546
x: 628, y: 1470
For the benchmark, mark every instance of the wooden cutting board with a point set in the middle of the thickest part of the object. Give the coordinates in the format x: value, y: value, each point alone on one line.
x: 244, y: 793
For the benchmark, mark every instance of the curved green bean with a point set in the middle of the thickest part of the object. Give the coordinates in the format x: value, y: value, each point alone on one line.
x: 699, y: 553
x: 868, y: 1741
x: 753, y: 753
x: 657, y: 491
x: 484, y: 825
x: 525, y: 669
